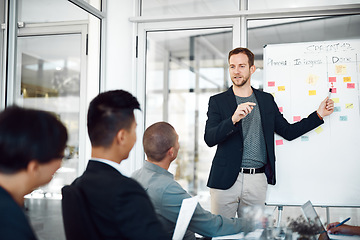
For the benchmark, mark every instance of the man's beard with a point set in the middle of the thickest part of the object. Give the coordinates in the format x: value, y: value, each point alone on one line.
x: 244, y: 81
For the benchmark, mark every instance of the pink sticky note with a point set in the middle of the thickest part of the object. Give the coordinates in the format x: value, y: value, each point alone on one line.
x: 271, y: 84
x: 351, y: 85
x: 333, y: 90
x: 279, y: 142
x: 296, y: 118
x: 332, y: 79
x: 280, y: 109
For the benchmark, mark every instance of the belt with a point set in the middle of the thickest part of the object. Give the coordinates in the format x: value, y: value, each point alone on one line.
x: 252, y: 170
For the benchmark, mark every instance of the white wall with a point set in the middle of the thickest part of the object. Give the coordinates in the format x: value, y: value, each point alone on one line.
x: 120, y: 68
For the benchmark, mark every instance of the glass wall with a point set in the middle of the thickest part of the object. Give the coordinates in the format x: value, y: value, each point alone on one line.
x: 56, y: 62
x: 183, y: 69
x: 269, y: 4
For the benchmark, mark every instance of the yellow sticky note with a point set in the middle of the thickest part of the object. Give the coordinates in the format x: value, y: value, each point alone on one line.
x: 336, y: 100
x: 281, y: 88
x: 319, y: 130
x: 273, y: 94
x: 349, y: 105
x: 347, y: 79
x: 340, y: 69
x: 312, y: 92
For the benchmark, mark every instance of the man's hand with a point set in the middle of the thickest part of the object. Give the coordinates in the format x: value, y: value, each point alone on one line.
x: 326, y: 107
x: 242, y: 111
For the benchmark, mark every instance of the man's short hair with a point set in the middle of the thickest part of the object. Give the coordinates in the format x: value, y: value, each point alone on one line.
x: 28, y: 134
x: 158, y: 139
x: 245, y: 51
x: 109, y: 112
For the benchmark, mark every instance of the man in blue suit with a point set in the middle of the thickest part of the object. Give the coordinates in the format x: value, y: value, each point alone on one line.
x: 242, y: 122
x: 119, y: 207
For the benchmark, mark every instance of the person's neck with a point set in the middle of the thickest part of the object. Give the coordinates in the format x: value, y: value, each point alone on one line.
x: 16, y: 185
x: 165, y: 164
x: 106, y: 153
x: 243, y: 91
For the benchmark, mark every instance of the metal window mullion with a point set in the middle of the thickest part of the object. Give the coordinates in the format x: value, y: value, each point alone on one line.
x: 11, y: 51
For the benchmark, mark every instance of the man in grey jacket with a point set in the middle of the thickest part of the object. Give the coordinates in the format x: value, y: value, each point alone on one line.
x: 161, y: 146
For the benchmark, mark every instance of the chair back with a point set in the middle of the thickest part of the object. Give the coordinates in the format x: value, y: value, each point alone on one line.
x: 77, y: 221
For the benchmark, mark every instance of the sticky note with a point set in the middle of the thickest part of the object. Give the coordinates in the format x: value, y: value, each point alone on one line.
x: 351, y: 85
x: 273, y: 94
x: 296, y: 118
x: 281, y: 88
x: 347, y: 79
x: 304, y: 138
x: 343, y: 118
x: 349, y: 106
x: 337, y: 109
x: 312, y: 79
x: 336, y: 100
x: 281, y: 109
x: 333, y: 90
x: 312, y: 92
x: 332, y: 79
x: 340, y: 69
x: 271, y: 84
x: 319, y: 130
x: 279, y: 142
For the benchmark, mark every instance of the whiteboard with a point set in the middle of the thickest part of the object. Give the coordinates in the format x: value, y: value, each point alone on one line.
x: 324, y: 164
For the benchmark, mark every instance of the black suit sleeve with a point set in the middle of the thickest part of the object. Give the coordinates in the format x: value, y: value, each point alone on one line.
x: 217, y: 129
x: 136, y: 215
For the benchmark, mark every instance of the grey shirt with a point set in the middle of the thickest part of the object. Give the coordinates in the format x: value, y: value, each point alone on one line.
x: 167, y: 195
x: 254, y: 155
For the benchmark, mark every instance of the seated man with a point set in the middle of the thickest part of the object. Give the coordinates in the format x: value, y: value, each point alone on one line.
x: 32, y: 144
x: 118, y: 205
x: 161, y: 146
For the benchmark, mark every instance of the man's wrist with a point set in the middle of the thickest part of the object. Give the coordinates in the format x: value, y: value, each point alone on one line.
x: 321, y: 117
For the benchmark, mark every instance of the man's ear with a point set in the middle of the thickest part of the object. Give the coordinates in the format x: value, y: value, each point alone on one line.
x: 32, y: 167
x: 252, y: 69
x: 120, y: 136
x: 171, y: 152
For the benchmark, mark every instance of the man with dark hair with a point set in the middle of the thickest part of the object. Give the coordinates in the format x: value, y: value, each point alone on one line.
x: 32, y: 144
x: 161, y: 146
x: 242, y: 122
x: 118, y: 206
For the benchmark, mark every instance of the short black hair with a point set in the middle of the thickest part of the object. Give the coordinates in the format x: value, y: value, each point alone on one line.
x: 29, y: 134
x: 245, y: 51
x: 158, y: 139
x: 109, y: 112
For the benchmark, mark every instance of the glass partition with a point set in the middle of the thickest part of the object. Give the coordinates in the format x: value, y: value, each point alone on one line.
x: 183, y: 69
x: 269, y: 4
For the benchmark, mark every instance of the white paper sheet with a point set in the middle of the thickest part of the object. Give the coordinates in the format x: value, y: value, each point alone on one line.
x: 186, y: 211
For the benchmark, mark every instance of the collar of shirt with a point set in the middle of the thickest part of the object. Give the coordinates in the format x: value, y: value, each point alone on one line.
x: 156, y: 168
x: 108, y: 162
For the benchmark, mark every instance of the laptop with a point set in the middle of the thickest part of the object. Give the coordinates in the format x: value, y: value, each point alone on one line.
x: 311, y: 215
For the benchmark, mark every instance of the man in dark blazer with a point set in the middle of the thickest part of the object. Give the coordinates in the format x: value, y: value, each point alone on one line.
x: 242, y: 122
x: 119, y: 207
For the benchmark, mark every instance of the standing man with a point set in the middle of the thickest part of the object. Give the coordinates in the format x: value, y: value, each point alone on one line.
x: 118, y: 206
x: 161, y: 145
x: 242, y: 122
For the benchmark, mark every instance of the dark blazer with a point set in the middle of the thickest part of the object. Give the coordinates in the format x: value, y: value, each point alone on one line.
x: 220, y: 131
x: 119, y: 206
x: 14, y: 225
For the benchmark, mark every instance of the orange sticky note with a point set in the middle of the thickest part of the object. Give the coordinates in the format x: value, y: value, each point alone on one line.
x: 347, y: 79
x: 340, y: 69
x: 279, y: 142
x: 312, y: 92
x: 333, y: 90
x: 281, y: 88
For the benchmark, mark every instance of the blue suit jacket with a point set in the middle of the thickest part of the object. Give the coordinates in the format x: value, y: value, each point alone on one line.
x: 220, y: 131
x: 14, y: 225
x: 119, y: 206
